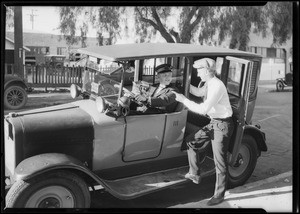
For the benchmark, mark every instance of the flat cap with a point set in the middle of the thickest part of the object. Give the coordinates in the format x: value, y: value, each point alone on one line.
x: 163, y: 68
x: 206, y: 63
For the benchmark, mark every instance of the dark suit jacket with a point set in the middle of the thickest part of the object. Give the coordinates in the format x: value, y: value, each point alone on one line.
x: 165, y: 99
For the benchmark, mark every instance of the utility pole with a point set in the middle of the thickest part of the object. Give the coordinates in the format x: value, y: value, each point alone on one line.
x: 18, y: 51
x: 32, y: 17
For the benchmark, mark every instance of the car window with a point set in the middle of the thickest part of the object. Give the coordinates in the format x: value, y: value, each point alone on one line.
x: 234, y: 78
x: 178, y: 64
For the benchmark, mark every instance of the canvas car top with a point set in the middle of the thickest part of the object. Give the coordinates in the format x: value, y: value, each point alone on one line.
x: 122, y: 52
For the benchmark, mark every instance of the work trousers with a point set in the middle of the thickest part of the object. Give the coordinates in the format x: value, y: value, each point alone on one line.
x: 219, y: 132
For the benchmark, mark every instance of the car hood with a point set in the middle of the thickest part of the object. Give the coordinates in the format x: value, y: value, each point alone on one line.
x: 61, y: 129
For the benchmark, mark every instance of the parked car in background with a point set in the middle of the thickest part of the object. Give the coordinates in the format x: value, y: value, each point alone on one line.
x: 55, y: 62
x: 55, y: 155
x: 15, y: 95
x: 281, y: 83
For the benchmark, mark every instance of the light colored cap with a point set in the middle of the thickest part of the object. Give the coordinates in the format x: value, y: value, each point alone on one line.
x: 205, y: 62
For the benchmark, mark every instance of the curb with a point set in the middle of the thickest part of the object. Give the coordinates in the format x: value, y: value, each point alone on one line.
x: 260, y: 182
x: 248, y: 196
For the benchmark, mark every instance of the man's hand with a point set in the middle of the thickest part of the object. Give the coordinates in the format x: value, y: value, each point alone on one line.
x: 179, y: 97
x: 140, y: 98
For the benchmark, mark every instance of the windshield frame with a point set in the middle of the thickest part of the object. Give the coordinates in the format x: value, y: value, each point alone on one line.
x: 94, y: 69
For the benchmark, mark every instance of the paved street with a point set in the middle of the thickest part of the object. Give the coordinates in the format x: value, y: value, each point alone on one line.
x: 273, y: 111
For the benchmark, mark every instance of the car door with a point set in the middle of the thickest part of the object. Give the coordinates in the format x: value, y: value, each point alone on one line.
x: 238, y: 86
x: 143, y: 136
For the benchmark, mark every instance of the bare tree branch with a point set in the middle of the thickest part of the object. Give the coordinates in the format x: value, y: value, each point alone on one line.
x: 176, y: 35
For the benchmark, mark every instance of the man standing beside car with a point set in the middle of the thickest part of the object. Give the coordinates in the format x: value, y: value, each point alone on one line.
x: 219, y: 130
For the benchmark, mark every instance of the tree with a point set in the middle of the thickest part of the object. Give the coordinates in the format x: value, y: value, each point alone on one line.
x: 103, y: 19
x: 9, y: 17
x: 69, y: 24
x: 236, y: 23
x: 280, y: 15
x: 188, y: 24
x: 190, y: 19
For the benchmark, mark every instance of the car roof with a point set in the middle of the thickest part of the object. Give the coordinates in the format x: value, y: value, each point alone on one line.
x: 122, y: 52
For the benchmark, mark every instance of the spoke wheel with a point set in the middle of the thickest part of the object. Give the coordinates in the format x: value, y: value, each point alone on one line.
x: 279, y: 86
x: 15, y: 97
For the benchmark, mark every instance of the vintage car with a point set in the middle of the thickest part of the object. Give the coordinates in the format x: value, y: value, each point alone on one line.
x: 15, y: 92
x: 54, y: 156
x: 281, y: 83
x: 55, y: 62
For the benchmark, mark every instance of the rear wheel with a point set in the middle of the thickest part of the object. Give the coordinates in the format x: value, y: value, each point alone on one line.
x: 57, y: 189
x: 15, y: 97
x: 245, y: 164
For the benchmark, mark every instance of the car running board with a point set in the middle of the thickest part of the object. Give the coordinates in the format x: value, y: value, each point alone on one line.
x: 129, y: 188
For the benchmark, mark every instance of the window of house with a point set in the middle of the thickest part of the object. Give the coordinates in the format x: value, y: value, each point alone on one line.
x: 264, y: 52
x: 61, y: 50
x: 271, y: 52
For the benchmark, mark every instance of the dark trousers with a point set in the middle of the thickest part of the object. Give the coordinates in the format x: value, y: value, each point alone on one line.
x: 218, y: 131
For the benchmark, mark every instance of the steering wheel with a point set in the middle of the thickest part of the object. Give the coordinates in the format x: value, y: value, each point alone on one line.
x: 131, y: 95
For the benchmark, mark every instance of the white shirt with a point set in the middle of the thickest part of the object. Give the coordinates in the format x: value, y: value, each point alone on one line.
x: 216, y: 105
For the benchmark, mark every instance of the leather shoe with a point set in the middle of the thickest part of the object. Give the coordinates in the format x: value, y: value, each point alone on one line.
x: 195, y: 178
x: 214, y: 201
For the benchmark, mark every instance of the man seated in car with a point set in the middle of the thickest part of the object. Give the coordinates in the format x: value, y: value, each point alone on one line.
x: 159, y: 98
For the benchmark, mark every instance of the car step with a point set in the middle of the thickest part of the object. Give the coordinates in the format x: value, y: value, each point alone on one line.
x: 128, y: 188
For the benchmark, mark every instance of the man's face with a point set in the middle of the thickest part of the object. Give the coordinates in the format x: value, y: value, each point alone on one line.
x: 165, y: 78
x: 202, y: 72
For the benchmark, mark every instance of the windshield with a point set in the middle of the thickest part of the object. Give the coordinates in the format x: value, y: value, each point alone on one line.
x: 102, y: 78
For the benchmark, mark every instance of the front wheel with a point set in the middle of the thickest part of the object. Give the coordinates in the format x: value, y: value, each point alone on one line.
x: 15, y: 97
x: 57, y: 189
x: 245, y: 164
x: 279, y: 86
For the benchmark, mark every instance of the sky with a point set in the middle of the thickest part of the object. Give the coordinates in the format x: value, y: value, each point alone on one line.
x: 45, y: 19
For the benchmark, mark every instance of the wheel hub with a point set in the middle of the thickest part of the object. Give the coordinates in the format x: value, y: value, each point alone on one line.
x: 239, y: 161
x: 50, y: 202
x: 15, y: 98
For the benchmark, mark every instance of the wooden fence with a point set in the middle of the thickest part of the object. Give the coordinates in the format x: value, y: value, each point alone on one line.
x: 41, y: 76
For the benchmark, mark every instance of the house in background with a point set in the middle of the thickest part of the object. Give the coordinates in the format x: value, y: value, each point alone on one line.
x: 41, y: 44
x: 277, y: 61
x: 9, y: 55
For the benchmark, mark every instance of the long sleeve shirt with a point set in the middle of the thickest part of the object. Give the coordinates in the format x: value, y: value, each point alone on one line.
x: 216, y: 105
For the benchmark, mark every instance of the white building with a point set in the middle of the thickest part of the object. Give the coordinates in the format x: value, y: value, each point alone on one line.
x: 277, y: 61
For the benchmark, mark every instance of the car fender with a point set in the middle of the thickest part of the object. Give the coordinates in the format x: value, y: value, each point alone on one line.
x: 42, y: 163
x: 46, y: 162
x: 281, y: 80
x: 14, y: 80
x: 258, y: 135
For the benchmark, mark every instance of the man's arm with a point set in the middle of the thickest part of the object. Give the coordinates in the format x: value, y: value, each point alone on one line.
x: 203, y: 108
x: 199, y: 92
x: 164, y: 99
